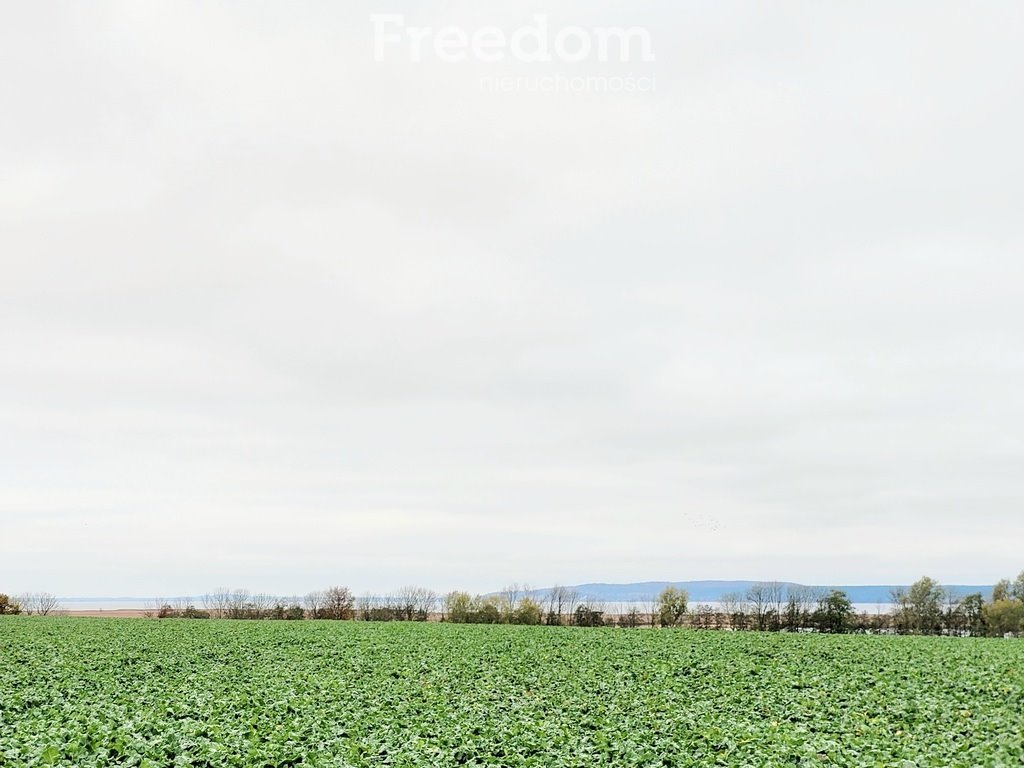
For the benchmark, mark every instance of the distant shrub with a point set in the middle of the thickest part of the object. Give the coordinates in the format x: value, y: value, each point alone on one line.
x: 584, y: 616
x: 485, y: 614
x: 385, y: 613
x: 527, y: 612
x: 9, y: 607
x: 461, y: 608
x: 631, y: 620
x: 167, y: 611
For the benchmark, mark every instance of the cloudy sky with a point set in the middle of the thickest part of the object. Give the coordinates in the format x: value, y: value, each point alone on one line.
x: 277, y: 315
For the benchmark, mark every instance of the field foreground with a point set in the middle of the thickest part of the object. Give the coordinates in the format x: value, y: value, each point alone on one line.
x: 90, y: 692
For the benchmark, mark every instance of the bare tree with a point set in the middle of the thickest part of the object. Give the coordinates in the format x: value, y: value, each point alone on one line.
x: 235, y: 603
x: 314, y: 603
x: 776, y: 595
x: 218, y: 602
x: 338, y: 603
x: 364, y: 607
x: 651, y: 607
x: 744, y: 611
x: 800, y: 604
x: 550, y: 616
x: 38, y: 603
x: 900, y: 610
x: 414, y: 603
x: 570, y: 598
x: 46, y: 603
x: 561, y: 604
x: 704, y: 617
x: 551, y: 605
x: 405, y: 602
x: 259, y: 605
x: 510, y: 597
x: 631, y: 618
x: 426, y: 602
x: 954, y: 614
x: 759, y: 597
x: 728, y: 604
x: 153, y: 607
x: 766, y: 601
x: 224, y: 603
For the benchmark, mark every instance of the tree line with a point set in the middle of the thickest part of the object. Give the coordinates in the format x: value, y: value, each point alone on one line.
x: 30, y: 603
x: 333, y: 603
x: 924, y: 608
x: 513, y: 605
x: 928, y: 608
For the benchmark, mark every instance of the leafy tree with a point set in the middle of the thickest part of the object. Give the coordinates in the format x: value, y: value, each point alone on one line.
x: 972, y: 606
x: 460, y: 608
x: 919, y: 609
x: 9, y: 607
x: 835, y: 613
x: 528, y: 611
x: 900, y: 610
x: 672, y: 603
x: 457, y: 607
x: 585, y: 616
x: 1004, y: 616
x: 509, y: 599
x: 485, y: 611
x: 1001, y: 591
x: 1017, y: 588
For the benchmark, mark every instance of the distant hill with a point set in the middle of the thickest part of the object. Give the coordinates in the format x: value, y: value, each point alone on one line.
x: 712, y: 591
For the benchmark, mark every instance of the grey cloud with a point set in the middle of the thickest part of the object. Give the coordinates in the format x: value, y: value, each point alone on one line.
x: 276, y: 315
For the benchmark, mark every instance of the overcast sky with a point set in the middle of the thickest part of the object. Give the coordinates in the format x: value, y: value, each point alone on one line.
x: 276, y: 315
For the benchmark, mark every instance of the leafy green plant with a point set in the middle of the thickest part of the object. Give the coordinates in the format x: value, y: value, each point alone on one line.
x: 109, y: 692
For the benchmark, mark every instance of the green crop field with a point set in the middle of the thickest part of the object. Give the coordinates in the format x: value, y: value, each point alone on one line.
x: 217, y: 693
